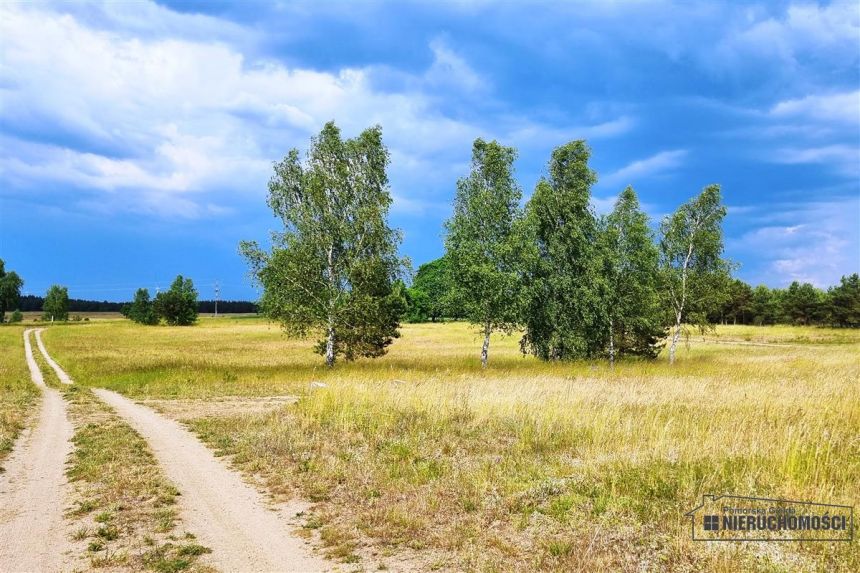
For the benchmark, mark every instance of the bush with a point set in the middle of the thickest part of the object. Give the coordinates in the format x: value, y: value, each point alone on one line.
x: 17, y: 316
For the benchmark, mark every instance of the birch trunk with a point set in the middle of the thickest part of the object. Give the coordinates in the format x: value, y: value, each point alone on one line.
x: 329, y: 346
x: 611, y: 344
x: 675, y: 337
x: 485, y: 349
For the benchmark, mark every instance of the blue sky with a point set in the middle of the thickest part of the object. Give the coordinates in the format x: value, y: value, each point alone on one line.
x: 136, y: 139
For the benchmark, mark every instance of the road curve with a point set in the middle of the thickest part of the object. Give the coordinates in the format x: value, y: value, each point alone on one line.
x: 225, y: 513
x: 33, y: 490
x: 61, y: 374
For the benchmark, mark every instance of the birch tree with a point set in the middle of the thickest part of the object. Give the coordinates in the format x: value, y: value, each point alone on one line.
x: 692, y: 268
x: 331, y: 271
x: 564, y: 314
x: 484, y: 240
x: 631, y: 300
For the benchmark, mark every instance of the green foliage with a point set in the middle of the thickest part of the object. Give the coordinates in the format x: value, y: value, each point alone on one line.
x: 803, y: 304
x: 694, y: 274
x: 177, y: 305
x: 844, y: 302
x: 631, y: 301
x: 142, y: 309
x: 17, y: 316
x: 10, y: 290
x: 564, y: 316
x: 333, y: 268
x: 56, y: 305
x: 417, y: 305
x: 484, y: 241
x: 764, y: 306
x: 738, y: 305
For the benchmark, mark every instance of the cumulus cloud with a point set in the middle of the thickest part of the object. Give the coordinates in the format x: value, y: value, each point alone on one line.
x: 90, y: 101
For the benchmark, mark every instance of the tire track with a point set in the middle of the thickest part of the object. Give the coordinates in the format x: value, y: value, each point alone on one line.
x: 226, y: 514
x: 33, y: 490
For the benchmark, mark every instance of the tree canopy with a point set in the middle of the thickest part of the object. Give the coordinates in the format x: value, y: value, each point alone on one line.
x: 10, y: 290
x: 484, y: 242
x: 177, y: 305
x: 56, y: 305
x: 332, y: 269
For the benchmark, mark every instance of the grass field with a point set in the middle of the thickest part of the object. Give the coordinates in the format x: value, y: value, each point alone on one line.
x: 17, y: 393
x: 524, y: 466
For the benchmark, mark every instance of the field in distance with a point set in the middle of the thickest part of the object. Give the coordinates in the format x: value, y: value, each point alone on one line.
x: 524, y: 466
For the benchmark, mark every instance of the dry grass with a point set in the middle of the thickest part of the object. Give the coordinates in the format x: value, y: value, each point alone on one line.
x: 124, y: 507
x: 17, y: 393
x: 526, y: 466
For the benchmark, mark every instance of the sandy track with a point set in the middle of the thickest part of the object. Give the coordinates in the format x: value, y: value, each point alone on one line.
x: 33, y: 533
x: 61, y: 374
x: 225, y: 513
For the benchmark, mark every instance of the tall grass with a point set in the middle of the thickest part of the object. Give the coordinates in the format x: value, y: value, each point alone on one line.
x: 17, y: 393
x: 525, y: 466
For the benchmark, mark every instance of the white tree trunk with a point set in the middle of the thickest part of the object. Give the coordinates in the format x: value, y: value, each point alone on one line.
x: 329, y: 346
x: 675, y: 337
x: 485, y: 349
x: 611, y: 344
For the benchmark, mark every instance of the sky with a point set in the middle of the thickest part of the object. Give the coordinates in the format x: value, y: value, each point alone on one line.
x: 137, y: 138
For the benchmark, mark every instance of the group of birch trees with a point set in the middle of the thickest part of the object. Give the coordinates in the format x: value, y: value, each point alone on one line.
x: 576, y: 284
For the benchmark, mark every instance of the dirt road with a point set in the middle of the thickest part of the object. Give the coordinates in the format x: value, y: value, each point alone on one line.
x: 61, y: 374
x: 225, y: 513
x: 33, y: 533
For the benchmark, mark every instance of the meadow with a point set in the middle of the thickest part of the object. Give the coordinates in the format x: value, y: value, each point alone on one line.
x: 421, y: 457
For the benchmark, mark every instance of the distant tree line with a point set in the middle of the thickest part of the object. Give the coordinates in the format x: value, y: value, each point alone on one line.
x: 577, y: 284
x: 32, y: 303
x: 800, y: 303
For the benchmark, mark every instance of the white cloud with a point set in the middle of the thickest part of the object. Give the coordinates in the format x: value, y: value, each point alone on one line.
x: 841, y: 157
x: 449, y: 69
x: 167, y: 119
x: 816, y: 243
x: 803, y: 30
x: 648, y: 167
x: 838, y: 107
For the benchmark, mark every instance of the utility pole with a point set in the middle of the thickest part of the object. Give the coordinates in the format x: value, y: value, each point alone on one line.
x: 217, y: 296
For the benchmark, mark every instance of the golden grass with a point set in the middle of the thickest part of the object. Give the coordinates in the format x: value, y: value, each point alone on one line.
x: 17, y: 393
x: 527, y: 465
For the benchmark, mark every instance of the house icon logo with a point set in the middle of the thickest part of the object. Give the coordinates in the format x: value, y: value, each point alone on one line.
x: 739, y: 518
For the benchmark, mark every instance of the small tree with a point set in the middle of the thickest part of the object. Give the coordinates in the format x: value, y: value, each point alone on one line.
x: 484, y: 240
x: 630, y: 272
x: 56, y: 305
x: 142, y: 309
x: 178, y: 305
x: 10, y: 290
x: 333, y: 268
x: 17, y: 316
x: 692, y: 270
